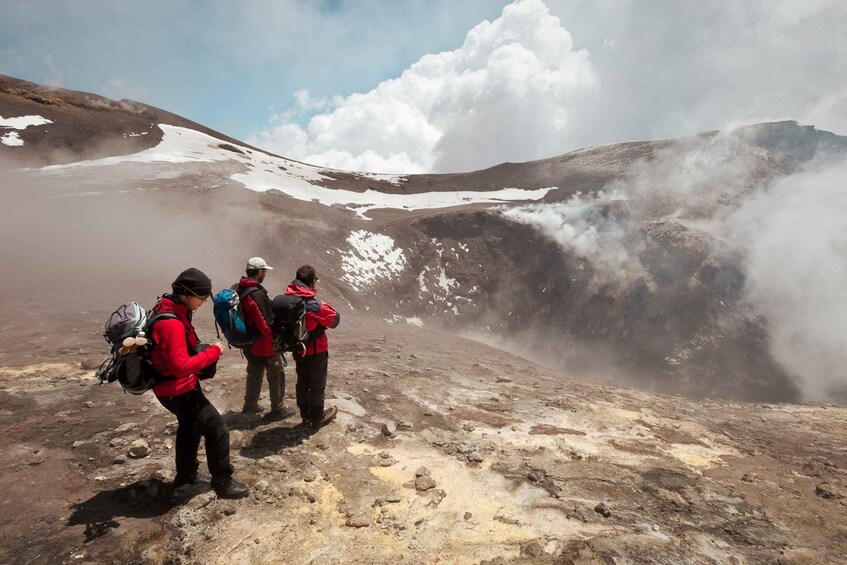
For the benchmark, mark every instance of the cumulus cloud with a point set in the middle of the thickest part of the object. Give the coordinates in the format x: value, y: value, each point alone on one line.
x: 506, y: 94
x: 548, y: 77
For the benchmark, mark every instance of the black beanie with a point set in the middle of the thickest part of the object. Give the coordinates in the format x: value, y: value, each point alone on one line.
x: 192, y: 282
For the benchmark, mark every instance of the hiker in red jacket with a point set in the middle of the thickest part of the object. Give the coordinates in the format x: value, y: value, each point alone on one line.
x: 179, y: 356
x: 312, y: 363
x: 261, y: 355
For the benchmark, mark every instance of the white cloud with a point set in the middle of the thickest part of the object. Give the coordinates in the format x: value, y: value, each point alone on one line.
x: 505, y: 94
x: 678, y: 68
x: 524, y: 86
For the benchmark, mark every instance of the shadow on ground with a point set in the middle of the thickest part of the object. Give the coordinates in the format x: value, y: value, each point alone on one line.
x: 270, y: 441
x: 141, y: 499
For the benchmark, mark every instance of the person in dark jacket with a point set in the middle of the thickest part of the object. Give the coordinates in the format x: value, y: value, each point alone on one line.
x: 178, y: 355
x: 261, y: 356
x: 312, y: 363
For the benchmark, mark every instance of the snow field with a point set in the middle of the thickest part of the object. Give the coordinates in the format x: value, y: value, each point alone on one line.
x: 297, y: 180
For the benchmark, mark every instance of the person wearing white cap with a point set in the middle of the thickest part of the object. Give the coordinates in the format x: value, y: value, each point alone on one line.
x: 261, y: 356
x: 258, y: 264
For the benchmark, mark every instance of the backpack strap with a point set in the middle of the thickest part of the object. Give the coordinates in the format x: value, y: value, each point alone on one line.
x: 264, y: 306
x: 247, y: 292
x: 158, y: 316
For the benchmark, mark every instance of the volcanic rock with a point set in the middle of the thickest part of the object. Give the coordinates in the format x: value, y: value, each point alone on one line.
x: 424, y: 483
x: 139, y: 449
x: 389, y: 429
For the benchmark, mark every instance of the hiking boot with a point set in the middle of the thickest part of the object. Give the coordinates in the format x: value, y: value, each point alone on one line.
x: 251, y: 409
x: 279, y: 414
x: 195, y: 479
x: 326, y: 417
x: 230, y: 488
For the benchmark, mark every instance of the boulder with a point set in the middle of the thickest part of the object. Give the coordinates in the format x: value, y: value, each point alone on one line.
x: 139, y: 449
x: 424, y: 483
x: 358, y: 521
x: 603, y: 510
x: 389, y: 429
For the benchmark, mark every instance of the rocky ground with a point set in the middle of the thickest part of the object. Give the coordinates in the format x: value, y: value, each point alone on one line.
x: 444, y: 451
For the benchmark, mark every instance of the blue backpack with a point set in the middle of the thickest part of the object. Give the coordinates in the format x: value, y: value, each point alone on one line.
x: 229, y: 318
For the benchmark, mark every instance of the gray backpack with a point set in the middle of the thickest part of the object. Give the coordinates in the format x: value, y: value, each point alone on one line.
x: 126, y: 331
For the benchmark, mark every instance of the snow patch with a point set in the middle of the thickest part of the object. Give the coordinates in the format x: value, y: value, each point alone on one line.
x: 446, y: 282
x: 372, y: 257
x: 422, y: 281
x: 413, y: 321
x: 12, y: 139
x: 396, y: 180
x: 23, y: 122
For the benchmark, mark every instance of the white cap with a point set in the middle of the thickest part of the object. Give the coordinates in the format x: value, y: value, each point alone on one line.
x: 258, y: 263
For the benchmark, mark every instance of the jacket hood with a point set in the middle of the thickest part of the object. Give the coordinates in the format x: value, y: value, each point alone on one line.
x: 246, y: 281
x: 170, y: 303
x: 299, y: 288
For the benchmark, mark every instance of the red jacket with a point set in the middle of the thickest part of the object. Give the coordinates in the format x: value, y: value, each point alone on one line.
x: 320, y: 316
x: 170, y: 353
x: 258, y: 317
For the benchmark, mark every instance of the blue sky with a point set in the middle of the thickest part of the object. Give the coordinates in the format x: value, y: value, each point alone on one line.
x: 227, y: 65
x: 439, y: 85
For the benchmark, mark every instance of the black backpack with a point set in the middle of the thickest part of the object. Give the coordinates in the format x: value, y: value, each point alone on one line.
x: 289, y: 325
x: 127, y: 331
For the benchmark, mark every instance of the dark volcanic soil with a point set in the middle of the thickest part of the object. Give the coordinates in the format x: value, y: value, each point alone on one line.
x: 522, y: 459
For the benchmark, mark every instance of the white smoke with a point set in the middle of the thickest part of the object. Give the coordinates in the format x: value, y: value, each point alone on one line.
x: 792, y: 233
x: 698, y: 181
x: 579, y: 226
x: 696, y: 178
x: 795, y: 234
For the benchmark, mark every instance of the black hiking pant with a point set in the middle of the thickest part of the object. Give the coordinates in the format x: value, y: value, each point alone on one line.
x: 311, y: 383
x: 198, y: 418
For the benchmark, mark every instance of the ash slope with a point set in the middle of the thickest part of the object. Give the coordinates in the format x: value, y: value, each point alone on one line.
x: 617, y: 269
x: 526, y: 466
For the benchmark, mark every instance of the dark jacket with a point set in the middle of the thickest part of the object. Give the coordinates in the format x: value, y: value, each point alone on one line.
x: 171, y: 355
x: 320, y: 316
x: 258, y: 315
